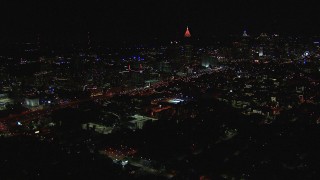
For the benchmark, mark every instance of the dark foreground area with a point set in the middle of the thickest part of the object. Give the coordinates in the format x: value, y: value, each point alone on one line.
x: 220, y: 144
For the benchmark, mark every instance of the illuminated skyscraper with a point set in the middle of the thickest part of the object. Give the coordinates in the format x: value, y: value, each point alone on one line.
x: 187, y: 47
x: 261, y: 52
x: 245, y: 34
x: 187, y: 33
x: 173, y: 53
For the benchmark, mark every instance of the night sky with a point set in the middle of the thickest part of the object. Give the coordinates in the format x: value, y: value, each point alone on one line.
x: 144, y: 19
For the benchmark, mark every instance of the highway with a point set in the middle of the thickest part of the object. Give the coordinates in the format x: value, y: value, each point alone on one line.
x: 28, y: 116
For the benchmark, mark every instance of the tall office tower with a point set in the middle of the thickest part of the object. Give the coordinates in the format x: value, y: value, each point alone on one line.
x: 89, y: 42
x: 244, y: 46
x: 173, y: 54
x: 38, y: 42
x: 261, y: 52
x: 188, y: 48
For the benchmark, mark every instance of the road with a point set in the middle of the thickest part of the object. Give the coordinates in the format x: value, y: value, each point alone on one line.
x: 30, y: 115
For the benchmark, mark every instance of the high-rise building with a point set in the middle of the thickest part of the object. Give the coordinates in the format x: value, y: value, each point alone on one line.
x: 89, y: 42
x: 173, y: 54
x: 187, y: 34
x: 245, y: 34
x: 187, y: 47
x: 261, y: 52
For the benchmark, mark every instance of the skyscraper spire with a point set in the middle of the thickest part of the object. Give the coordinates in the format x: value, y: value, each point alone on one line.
x: 187, y: 33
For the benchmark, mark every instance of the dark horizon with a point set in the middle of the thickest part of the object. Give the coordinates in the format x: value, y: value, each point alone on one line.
x: 126, y: 20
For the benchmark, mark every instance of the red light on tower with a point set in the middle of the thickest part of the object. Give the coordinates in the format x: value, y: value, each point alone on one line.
x: 129, y: 68
x: 187, y: 33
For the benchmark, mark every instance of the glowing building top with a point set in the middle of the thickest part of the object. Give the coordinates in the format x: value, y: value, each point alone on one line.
x: 187, y: 33
x: 245, y: 34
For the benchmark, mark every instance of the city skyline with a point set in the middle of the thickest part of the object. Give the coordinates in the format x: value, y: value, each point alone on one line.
x: 159, y: 90
x: 121, y: 20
